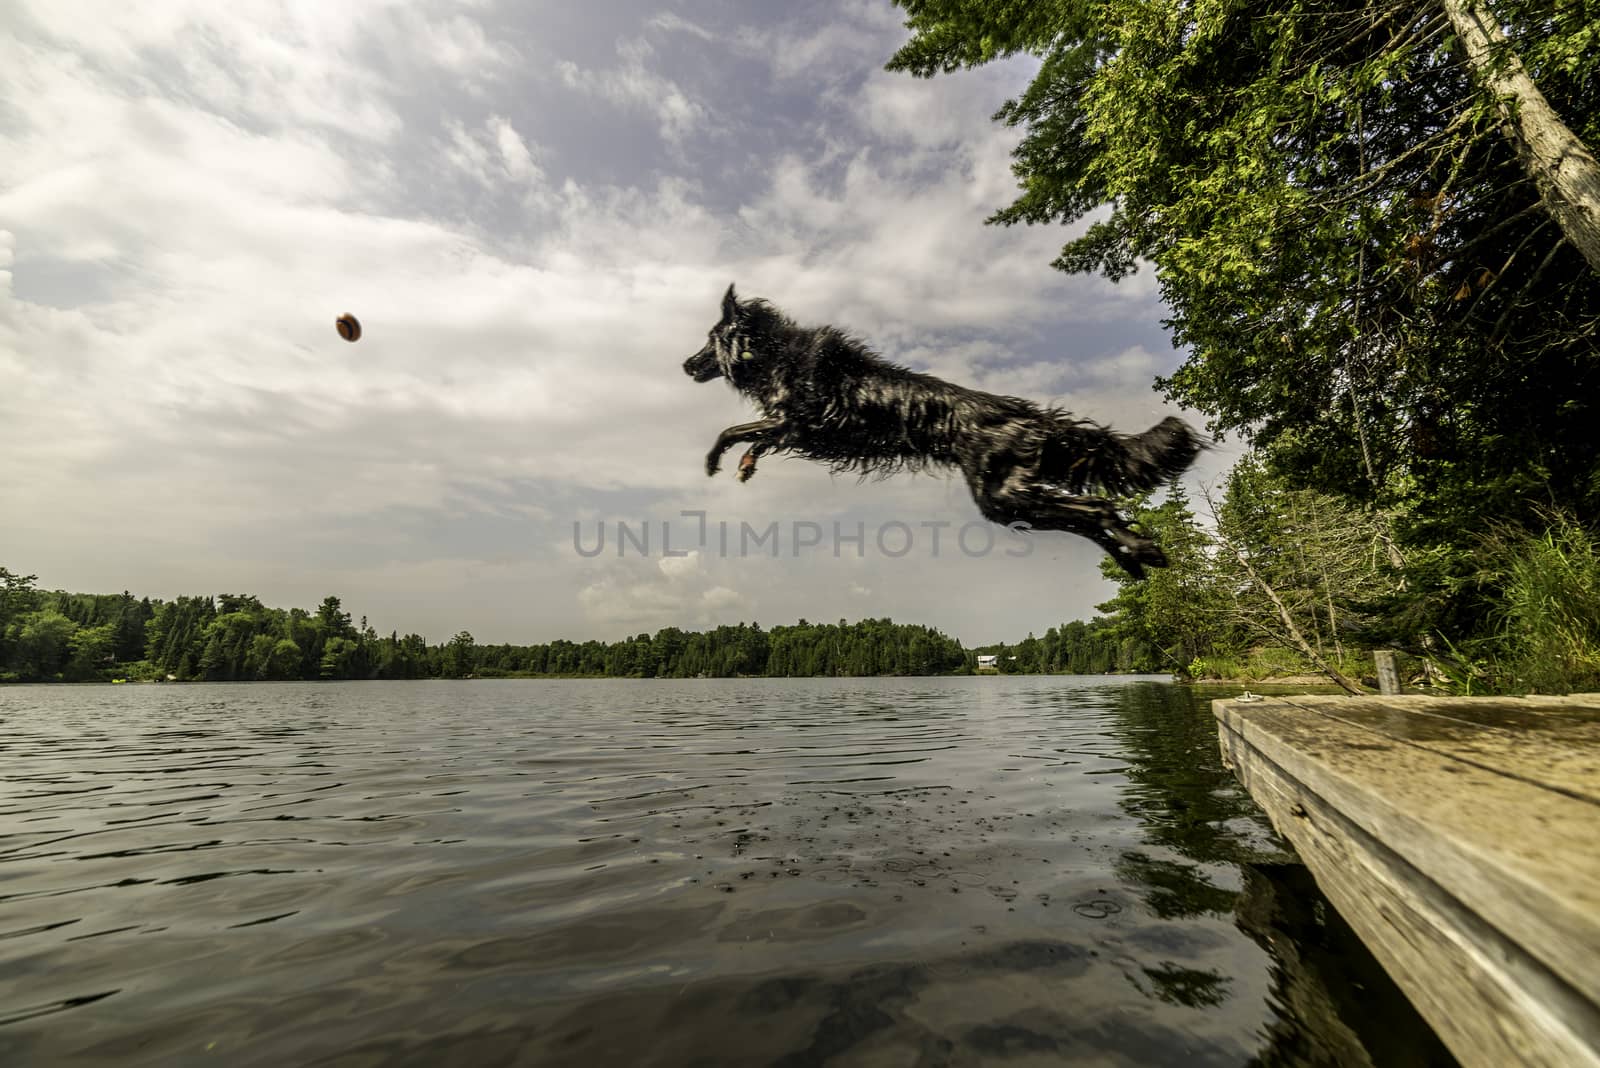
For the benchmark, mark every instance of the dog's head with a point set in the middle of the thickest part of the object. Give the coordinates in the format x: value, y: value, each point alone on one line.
x: 730, y: 350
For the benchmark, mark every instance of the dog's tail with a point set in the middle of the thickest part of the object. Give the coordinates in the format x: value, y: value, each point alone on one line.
x: 1085, y: 458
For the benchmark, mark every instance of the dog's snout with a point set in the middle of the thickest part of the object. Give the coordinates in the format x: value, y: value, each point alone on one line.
x: 702, y: 366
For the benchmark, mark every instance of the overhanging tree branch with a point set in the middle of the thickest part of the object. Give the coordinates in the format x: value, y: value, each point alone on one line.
x: 1560, y: 164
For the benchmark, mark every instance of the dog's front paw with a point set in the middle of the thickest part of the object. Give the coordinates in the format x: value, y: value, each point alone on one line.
x: 713, y: 463
x: 747, y: 466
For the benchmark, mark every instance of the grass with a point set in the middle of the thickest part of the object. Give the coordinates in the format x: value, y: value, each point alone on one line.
x: 1549, y: 617
x: 1265, y: 663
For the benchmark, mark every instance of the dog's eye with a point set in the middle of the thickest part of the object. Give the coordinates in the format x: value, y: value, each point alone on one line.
x: 747, y: 355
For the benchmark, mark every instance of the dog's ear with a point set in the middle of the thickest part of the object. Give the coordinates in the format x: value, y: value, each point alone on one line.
x: 730, y: 305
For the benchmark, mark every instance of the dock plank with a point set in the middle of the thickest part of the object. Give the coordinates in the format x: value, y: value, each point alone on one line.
x: 1469, y: 865
x: 1554, y: 747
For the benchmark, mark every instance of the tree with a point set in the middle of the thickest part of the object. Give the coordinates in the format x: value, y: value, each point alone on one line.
x: 42, y: 643
x: 458, y: 656
x: 338, y: 658
x: 1301, y: 570
x: 284, y: 661
x: 17, y: 597
x: 92, y: 652
x: 1367, y: 280
x: 235, y: 637
x: 1555, y: 157
x: 334, y: 619
x: 1284, y: 628
x: 1178, y: 613
x: 175, y: 637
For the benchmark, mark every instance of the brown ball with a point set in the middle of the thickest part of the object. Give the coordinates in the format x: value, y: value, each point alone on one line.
x: 349, y: 327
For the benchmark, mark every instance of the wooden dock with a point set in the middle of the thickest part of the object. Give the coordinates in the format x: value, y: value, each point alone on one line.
x: 1460, y: 837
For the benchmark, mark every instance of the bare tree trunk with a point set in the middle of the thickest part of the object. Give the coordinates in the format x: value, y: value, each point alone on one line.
x: 1303, y: 571
x: 1327, y: 586
x: 1560, y: 164
x: 1345, y: 683
x: 1296, y: 636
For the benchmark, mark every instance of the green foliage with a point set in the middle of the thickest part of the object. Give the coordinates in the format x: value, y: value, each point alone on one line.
x: 1363, y: 278
x: 1208, y: 615
x: 60, y: 636
x: 1075, y: 648
x: 458, y: 656
x: 92, y: 652
x: 341, y: 659
x: 234, y: 637
x: 17, y: 597
x: 280, y: 660
x: 1542, y: 588
x: 1323, y: 557
x: 1551, y: 608
x: 1178, y: 613
x: 41, y: 643
x: 1264, y: 663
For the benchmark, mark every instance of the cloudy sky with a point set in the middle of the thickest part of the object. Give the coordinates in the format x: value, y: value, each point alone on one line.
x: 534, y: 209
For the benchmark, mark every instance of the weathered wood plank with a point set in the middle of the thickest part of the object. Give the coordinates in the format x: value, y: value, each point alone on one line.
x: 1481, y: 994
x: 1479, y: 890
x: 1555, y: 748
x: 1522, y: 856
x: 1388, y: 674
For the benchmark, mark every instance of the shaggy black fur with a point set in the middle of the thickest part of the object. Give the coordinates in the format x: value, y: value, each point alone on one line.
x: 829, y: 398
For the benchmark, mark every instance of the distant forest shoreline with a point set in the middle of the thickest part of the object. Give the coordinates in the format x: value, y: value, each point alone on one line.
x: 528, y: 677
x: 56, y: 636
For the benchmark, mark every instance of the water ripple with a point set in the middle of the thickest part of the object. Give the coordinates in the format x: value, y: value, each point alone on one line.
x: 644, y: 872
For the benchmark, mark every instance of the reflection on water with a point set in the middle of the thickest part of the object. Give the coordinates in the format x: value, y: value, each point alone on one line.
x: 791, y: 872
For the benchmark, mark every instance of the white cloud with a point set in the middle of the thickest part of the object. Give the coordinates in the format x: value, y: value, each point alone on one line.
x: 7, y: 256
x: 513, y: 150
x: 673, y: 23
x: 851, y: 36
x: 676, y: 592
x: 193, y: 193
x: 680, y: 566
x: 282, y: 64
x: 494, y: 155
x: 632, y: 84
x: 719, y: 600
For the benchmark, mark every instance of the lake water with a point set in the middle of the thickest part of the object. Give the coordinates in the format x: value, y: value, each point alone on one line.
x: 952, y: 871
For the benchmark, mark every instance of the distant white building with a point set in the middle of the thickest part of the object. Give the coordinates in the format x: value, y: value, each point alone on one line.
x: 988, y: 662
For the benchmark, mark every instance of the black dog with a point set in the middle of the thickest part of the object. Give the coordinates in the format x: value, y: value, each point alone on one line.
x: 829, y: 398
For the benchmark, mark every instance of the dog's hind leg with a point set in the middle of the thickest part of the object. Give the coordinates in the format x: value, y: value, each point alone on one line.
x: 1097, y: 519
x: 736, y: 434
x: 1022, y: 500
